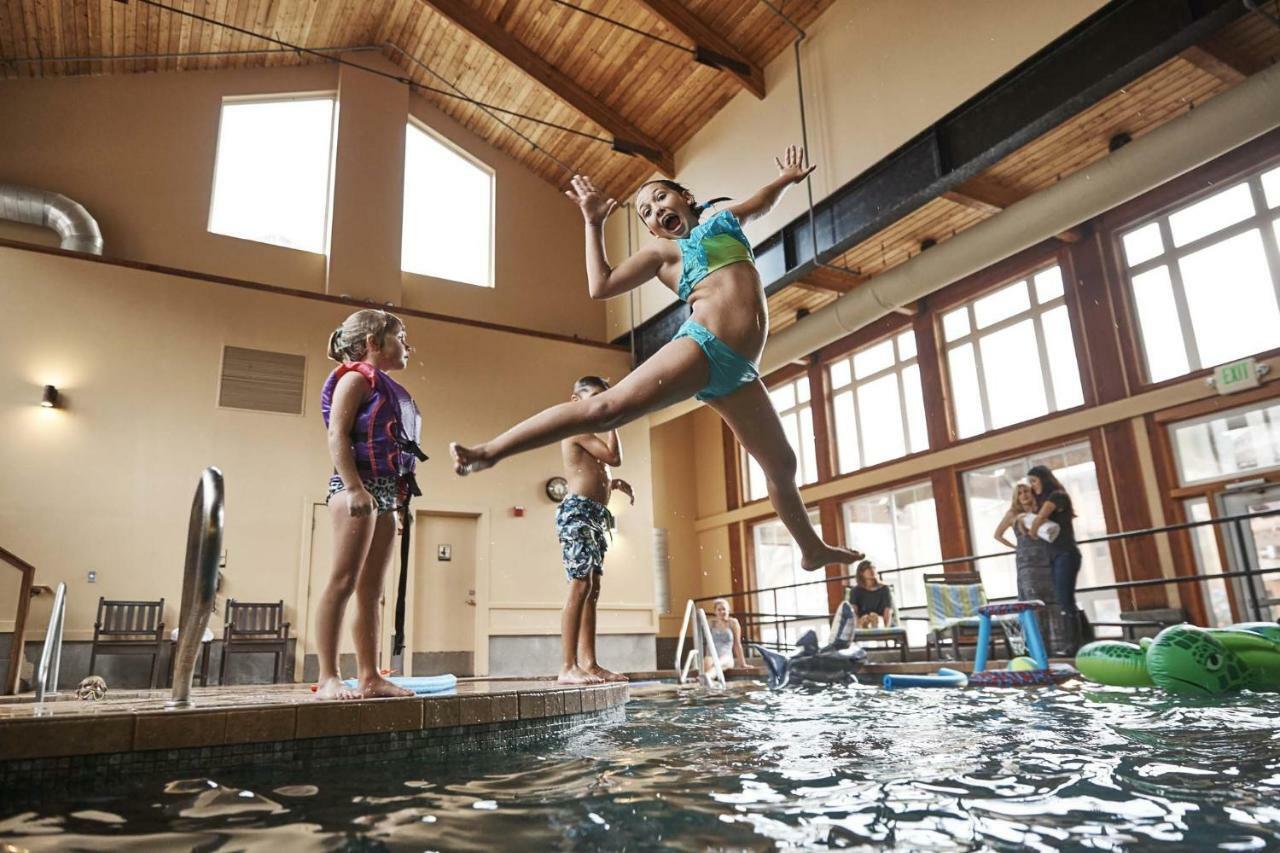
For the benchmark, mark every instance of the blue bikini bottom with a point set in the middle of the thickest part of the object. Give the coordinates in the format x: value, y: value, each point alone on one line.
x: 729, y: 371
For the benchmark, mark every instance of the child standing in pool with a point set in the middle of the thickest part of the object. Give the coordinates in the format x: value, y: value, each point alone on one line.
x: 583, y: 526
x: 373, y: 427
x: 713, y: 356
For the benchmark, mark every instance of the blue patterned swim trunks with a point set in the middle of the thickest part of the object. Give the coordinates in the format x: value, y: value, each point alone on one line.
x: 583, y: 528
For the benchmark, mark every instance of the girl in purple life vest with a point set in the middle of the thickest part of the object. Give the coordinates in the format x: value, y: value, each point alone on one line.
x: 373, y: 429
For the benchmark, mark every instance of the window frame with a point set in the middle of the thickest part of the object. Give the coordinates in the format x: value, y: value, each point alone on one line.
x: 286, y: 97
x: 989, y: 281
x: 418, y: 124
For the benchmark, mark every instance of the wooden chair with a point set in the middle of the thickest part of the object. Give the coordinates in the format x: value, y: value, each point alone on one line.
x: 255, y: 627
x: 894, y: 635
x: 953, y: 599
x: 129, y: 628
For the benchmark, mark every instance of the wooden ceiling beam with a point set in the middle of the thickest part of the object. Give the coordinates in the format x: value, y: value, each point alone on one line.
x: 1214, y: 63
x: 628, y: 138
x: 991, y: 197
x: 827, y: 280
x: 712, y: 48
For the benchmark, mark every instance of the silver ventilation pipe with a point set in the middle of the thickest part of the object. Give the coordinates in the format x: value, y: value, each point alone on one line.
x: 76, y: 228
x: 1221, y: 124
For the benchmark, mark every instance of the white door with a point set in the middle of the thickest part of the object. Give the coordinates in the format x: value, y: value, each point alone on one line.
x: 1254, y: 544
x: 443, y: 609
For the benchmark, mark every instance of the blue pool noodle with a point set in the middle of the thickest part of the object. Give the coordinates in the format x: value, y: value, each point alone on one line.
x: 419, y: 684
x: 944, y: 678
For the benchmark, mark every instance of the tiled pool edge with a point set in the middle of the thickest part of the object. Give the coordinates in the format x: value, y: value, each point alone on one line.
x: 82, y: 753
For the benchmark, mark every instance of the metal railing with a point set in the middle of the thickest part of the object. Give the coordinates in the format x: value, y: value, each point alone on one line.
x: 10, y: 685
x: 755, y: 619
x: 199, y: 581
x: 51, y: 653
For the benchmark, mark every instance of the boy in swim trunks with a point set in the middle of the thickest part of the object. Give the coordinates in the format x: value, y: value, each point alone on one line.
x: 583, y: 525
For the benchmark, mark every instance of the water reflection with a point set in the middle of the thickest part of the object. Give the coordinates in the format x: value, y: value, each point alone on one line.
x: 846, y: 767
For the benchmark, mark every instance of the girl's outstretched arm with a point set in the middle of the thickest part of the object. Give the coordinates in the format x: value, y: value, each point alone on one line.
x: 603, y: 280
x: 791, y: 170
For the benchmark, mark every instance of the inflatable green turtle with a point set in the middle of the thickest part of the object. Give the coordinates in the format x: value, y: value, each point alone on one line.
x: 1189, y: 660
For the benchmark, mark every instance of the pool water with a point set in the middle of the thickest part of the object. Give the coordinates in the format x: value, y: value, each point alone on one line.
x: 1067, y: 768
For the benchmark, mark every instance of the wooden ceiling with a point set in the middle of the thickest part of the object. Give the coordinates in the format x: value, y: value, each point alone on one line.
x: 542, y: 58
x: 1244, y: 47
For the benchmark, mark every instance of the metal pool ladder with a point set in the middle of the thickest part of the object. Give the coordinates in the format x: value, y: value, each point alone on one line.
x: 701, y: 634
x: 199, y: 581
x: 51, y: 653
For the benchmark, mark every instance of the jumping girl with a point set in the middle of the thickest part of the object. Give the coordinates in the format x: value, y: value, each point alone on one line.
x: 715, y: 354
x: 373, y: 427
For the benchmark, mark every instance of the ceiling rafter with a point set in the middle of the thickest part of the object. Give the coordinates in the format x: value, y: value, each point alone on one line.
x: 628, y: 138
x: 710, y: 48
x: 991, y: 197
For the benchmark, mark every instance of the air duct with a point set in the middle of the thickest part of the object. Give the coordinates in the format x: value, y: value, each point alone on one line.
x: 76, y: 228
x: 1221, y: 124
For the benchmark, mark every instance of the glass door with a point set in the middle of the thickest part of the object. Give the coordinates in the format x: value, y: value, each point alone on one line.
x: 1254, y: 544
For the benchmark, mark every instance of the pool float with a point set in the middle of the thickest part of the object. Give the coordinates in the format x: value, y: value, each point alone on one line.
x: 1188, y: 660
x: 835, y: 663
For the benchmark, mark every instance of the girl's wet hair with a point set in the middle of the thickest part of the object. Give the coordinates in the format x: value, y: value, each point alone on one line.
x: 349, y: 341
x: 1048, y: 484
x: 865, y: 565
x: 591, y: 383
x: 698, y: 209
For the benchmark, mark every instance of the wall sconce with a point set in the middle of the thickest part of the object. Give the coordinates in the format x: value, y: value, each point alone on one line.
x: 50, y: 398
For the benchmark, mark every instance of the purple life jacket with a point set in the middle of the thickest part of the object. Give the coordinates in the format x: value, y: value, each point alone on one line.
x: 384, y: 437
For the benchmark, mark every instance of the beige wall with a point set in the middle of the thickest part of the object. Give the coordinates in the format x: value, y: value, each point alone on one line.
x: 876, y: 73
x: 138, y: 151
x: 106, y: 482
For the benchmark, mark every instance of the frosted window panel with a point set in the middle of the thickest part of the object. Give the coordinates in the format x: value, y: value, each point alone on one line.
x: 846, y: 432
x: 778, y: 564
x: 1209, y: 562
x: 783, y: 397
x: 1062, y: 358
x: 1048, y: 285
x: 956, y: 324
x: 1000, y: 305
x: 1271, y: 187
x: 915, y: 409
x: 453, y: 241
x: 1143, y: 244
x: 802, y: 390
x: 964, y: 390
x: 873, y: 359
x: 1161, y: 331
x: 271, y: 175
x: 881, y: 419
x: 1011, y: 371
x: 1232, y: 442
x: 906, y: 346
x: 792, y: 432
x: 757, y: 486
x: 840, y: 375
x: 808, y: 456
x: 1213, y: 214
x: 1231, y: 299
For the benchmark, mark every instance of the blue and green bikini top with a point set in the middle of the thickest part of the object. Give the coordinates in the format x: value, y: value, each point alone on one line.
x: 711, y: 245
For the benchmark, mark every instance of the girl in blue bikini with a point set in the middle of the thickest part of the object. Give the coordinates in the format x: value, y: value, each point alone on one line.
x: 715, y: 354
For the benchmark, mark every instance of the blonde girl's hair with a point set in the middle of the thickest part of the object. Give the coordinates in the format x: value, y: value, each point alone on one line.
x: 348, y: 341
x: 1014, y: 506
x: 720, y: 601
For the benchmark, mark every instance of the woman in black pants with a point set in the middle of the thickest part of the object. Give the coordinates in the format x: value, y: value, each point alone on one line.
x: 1054, y: 504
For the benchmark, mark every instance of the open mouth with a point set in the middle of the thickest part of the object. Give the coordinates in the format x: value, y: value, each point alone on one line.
x: 672, y: 222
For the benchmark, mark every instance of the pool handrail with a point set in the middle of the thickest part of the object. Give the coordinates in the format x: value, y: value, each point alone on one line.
x: 199, y: 581
x: 51, y: 651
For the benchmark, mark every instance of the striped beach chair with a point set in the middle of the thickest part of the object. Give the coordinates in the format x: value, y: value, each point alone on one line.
x: 953, y: 600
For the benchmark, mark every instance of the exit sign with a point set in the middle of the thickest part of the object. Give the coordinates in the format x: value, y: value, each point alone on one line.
x: 1236, y: 376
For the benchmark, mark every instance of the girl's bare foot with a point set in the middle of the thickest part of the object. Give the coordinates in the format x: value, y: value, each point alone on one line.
x: 468, y: 460
x: 606, y: 674
x: 333, y: 688
x: 377, y: 686
x: 827, y: 555
x: 575, y: 675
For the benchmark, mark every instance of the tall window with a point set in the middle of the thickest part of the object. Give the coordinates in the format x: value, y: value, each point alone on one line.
x: 448, y: 212
x: 1206, y: 278
x: 1209, y: 562
x: 1011, y: 356
x: 988, y: 492
x: 271, y: 171
x: 1226, y: 444
x: 791, y: 401
x: 876, y: 403
x: 897, y: 528
x: 777, y: 562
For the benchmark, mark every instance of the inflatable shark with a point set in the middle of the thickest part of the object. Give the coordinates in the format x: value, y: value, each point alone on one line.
x: 834, y: 663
